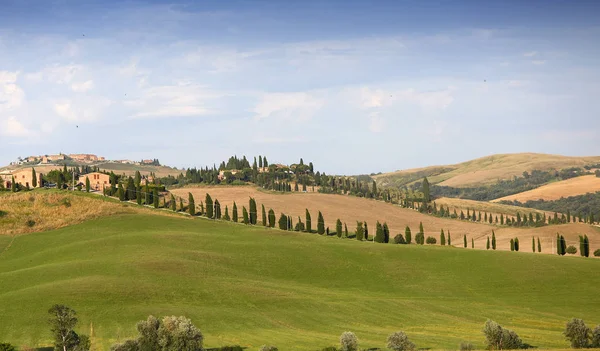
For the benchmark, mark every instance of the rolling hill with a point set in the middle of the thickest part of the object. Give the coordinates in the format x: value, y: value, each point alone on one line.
x: 554, y: 191
x: 484, y: 171
x: 253, y: 286
x: 118, y: 168
x: 351, y: 209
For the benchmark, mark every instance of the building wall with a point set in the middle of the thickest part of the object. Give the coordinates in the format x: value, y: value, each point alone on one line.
x: 23, y: 177
x: 98, y: 181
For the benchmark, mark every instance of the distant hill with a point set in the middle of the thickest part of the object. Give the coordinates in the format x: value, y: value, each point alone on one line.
x: 554, y: 191
x: 118, y: 168
x: 485, y: 170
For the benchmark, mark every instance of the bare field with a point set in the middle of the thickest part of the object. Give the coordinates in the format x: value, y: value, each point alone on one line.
x: 488, y: 170
x: 554, y: 191
x: 350, y: 209
x: 484, y: 206
x: 118, y: 168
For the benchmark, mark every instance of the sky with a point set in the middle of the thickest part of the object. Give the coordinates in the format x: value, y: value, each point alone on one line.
x: 353, y: 86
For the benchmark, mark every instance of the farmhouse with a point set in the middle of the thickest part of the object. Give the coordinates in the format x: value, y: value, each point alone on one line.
x: 52, y: 158
x: 86, y: 157
x: 98, y: 181
x: 222, y: 176
x: 24, y: 177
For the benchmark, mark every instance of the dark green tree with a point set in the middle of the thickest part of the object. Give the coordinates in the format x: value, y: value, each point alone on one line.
x: 493, y: 240
x: 533, y: 244
x: 245, y: 218
x: 488, y: 243
x: 283, y: 222
x: 426, y: 195
x: 539, y: 245
x: 138, y: 195
x: 360, y: 231
x: 586, y: 248
x: 191, y: 204
x: 449, y: 239
x: 138, y: 178
x: 366, y: 231
x: 516, y: 244
x: 217, y: 209
x: 465, y: 241
x: 173, y: 203
x: 155, y: 197
x: 345, y: 230
x: 338, y: 228
x: 130, y: 189
x: 442, y: 238
x: 308, y: 222
x: 209, y: 206
x: 33, y: 178
x: 407, y: 235
x: 87, y: 185
x: 253, y: 211
x: 121, y: 193
x: 320, y: 224
x: 234, y: 213
x: 264, y: 216
x: 272, y: 218
x: 472, y: 243
x: 379, y: 236
x: 512, y: 244
x: 181, y: 204
x: 386, y: 233
x: 62, y: 322
x: 226, y: 216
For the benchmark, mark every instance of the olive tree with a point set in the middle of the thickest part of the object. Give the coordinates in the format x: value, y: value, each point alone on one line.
x: 577, y: 333
x: 398, y: 341
x: 348, y: 342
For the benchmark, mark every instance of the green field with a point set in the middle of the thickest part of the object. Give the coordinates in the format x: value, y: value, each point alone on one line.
x: 251, y: 286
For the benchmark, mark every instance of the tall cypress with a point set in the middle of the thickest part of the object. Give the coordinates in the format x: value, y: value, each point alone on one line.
x: 539, y: 245
x: 138, y: 194
x: 271, y: 218
x: 586, y: 246
x: 173, y: 203
x: 426, y: 195
x: 34, y: 178
x: 386, y: 233
x: 180, y: 204
x: 234, y: 214
x: 308, y: 222
x: 226, y: 216
x: 209, y: 206
x: 320, y: 224
x: 581, y: 249
x: 379, y: 233
x: 338, y: 228
x: 493, y: 240
x: 487, y: 246
x: 472, y: 243
x: 366, y: 231
x: 449, y: 239
x: 442, y: 238
x: 154, y: 197
x: 516, y: 244
x: 87, y: 185
x: 245, y: 215
x: 253, y: 211
x: 191, y: 204
x: 533, y: 244
x: 345, y: 230
x: 512, y: 244
x: 360, y: 231
x: 558, y: 243
x: 563, y: 245
x: 407, y: 235
x: 465, y: 241
x: 264, y: 216
x: 217, y: 209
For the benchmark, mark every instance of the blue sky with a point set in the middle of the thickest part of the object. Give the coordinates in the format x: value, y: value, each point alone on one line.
x: 354, y: 86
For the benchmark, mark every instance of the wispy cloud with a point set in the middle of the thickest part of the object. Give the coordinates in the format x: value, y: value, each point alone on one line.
x: 298, y: 106
x: 530, y: 54
x: 538, y: 62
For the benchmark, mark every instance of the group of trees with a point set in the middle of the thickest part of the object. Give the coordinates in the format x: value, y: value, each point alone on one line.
x: 580, y: 208
x: 580, y: 336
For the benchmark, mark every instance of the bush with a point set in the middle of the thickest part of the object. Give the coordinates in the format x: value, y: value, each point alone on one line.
x: 571, y: 250
x: 268, y: 348
x: 431, y: 240
x: 7, y: 347
x: 420, y: 238
x: 30, y: 223
x: 597, y: 253
x: 399, y: 342
x: 577, y: 333
x: 498, y: 338
x: 348, y: 342
x: 399, y: 239
x: 466, y: 346
x: 596, y: 337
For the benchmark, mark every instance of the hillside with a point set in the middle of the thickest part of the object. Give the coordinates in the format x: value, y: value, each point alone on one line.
x: 118, y: 168
x: 251, y: 286
x: 554, y: 191
x: 485, y: 170
x: 351, y: 209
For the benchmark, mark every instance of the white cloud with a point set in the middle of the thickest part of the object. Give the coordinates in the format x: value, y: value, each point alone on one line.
x: 538, y: 62
x: 82, y: 87
x: 376, y: 98
x: 56, y: 74
x: 530, y: 54
x: 299, y: 106
x: 86, y: 109
x: 11, y: 95
x: 13, y: 128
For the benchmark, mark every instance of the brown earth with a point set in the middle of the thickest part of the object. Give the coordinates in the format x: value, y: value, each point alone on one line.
x: 554, y: 191
x: 349, y: 209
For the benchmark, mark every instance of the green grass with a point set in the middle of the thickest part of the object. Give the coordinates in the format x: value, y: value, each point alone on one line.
x: 251, y: 286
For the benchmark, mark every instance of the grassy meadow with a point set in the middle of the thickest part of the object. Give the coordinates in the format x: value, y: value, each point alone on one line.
x: 250, y: 286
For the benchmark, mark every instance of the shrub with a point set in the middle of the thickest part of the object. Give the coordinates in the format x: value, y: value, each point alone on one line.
x: 431, y: 240
x: 577, y: 333
x: 596, y: 337
x: 30, y: 223
x: 498, y: 338
x: 348, y: 342
x: 398, y: 341
x: 129, y: 345
x: 597, y: 253
x: 399, y: 239
x: 466, y: 346
x: 3, y: 213
x: 268, y: 348
x: 571, y: 250
x: 420, y: 238
x: 7, y: 347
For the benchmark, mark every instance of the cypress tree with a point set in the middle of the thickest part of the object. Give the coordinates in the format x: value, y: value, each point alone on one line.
x: 408, y: 235
x: 264, y: 216
x: 465, y: 241
x: 180, y: 204
x: 245, y: 215
x: 586, y: 246
x: 253, y: 211
x: 283, y: 222
x: 516, y: 244
x: 374, y: 189
x: 121, y: 194
x: 366, y: 231
x: 502, y: 219
x: 379, y: 233
x: 234, y: 213
x: 345, y: 230
x: 426, y: 195
x: 493, y: 240
x: 217, y: 209
x: 472, y: 243
x: 164, y: 202
x: 320, y: 224
x: 442, y: 238
x: 87, y: 185
x: 386, y: 233
x: 173, y: 203
x: 338, y: 228
x: 449, y: 239
x: 154, y: 197
x: 138, y: 195
x: 138, y: 178
x: 271, y: 218
x: 512, y: 245
x: 191, y: 204
x: 34, y: 178
x: 209, y: 206
x: 201, y: 208
x: 421, y: 228
x: 360, y: 231
x: 539, y: 245
x: 308, y: 222
x: 563, y: 245
x: 533, y: 244
x: 558, y: 242
x: 581, y: 249
x: 487, y: 247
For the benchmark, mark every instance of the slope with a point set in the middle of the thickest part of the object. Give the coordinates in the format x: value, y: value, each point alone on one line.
x: 485, y: 170
x: 351, y: 209
x: 554, y: 191
x: 251, y: 286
